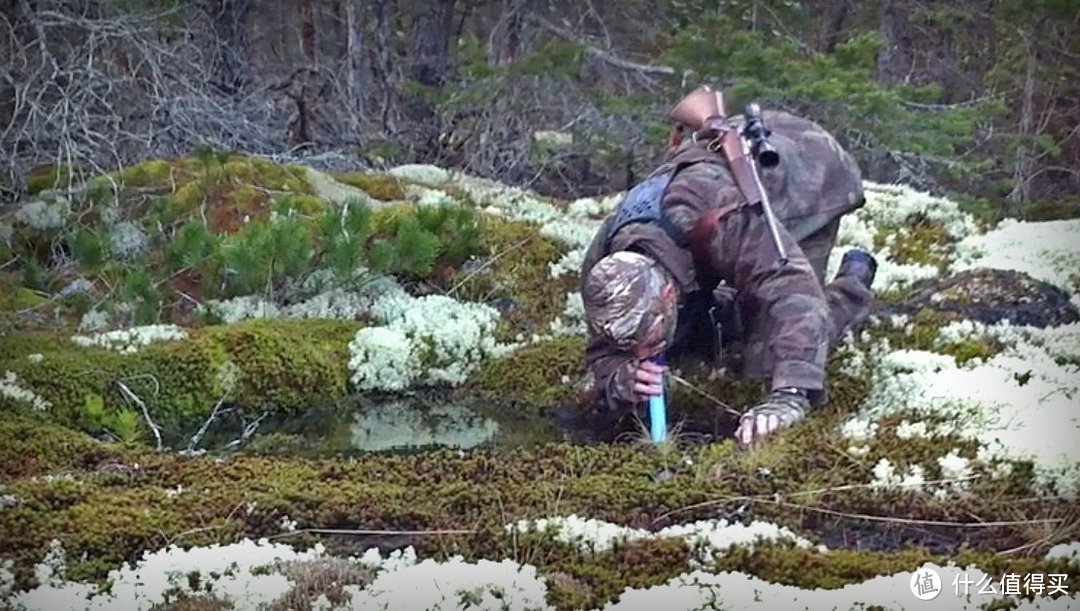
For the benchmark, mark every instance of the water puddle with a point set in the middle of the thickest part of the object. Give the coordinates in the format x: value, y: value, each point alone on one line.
x: 364, y: 425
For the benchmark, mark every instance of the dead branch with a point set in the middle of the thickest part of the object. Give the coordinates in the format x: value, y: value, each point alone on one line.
x: 197, y: 437
x: 131, y: 396
x: 249, y: 430
x: 606, y: 56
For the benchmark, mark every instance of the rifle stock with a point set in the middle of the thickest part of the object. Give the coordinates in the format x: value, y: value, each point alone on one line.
x: 703, y: 112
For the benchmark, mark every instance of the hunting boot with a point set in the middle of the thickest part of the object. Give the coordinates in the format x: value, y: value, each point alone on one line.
x: 860, y: 264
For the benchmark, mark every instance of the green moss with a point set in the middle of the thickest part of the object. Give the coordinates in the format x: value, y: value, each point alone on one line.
x: 111, y: 513
x: 194, y: 602
x: 223, y: 188
x: 542, y: 374
x: 21, y: 298
x: 919, y: 241
x: 33, y: 446
x: 516, y: 266
x: 266, y: 174
x: 308, y: 205
x: 383, y: 187
x: 50, y: 177
x: 285, y: 366
x: 276, y: 366
x: 155, y: 172
x: 1052, y: 210
x: 972, y: 349
x: 920, y: 330
x: 588, y: 581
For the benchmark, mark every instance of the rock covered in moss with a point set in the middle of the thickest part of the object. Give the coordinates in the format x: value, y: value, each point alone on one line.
x: 990, y: 296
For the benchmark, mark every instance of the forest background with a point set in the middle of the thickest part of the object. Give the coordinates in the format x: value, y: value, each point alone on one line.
x: 975, y: 99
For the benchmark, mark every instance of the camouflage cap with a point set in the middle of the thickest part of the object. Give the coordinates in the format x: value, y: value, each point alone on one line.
x: 624, y: 299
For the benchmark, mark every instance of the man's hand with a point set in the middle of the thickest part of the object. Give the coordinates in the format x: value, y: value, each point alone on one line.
x: 648, y: 379
x: 783, y: 407
x: 754, y: 427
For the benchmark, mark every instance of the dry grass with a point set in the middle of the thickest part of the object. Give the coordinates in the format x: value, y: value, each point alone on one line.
x: 315, y: 578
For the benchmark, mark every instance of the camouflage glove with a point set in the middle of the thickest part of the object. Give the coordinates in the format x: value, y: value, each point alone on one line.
x: 782, y: 408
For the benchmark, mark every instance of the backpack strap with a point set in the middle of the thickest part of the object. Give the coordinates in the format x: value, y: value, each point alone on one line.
x: 644, y: 204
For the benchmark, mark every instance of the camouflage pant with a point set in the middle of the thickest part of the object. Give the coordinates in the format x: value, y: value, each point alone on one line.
x: 782, y: 318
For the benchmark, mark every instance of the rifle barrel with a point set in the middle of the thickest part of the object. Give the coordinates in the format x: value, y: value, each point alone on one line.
x: 766, y: 207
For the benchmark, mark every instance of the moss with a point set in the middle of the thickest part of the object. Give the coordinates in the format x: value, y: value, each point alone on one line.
x: 919, y: 241
x: 811, y: 569
x: 542, y: 374
x: 112, y: 513
x: 266, y: 174
x: 155, y: 172
x: 972, y: 349
x: 224, y: 191
x: 43, y: 178
x: 384, y: 187
x: 308, y: 205
x: 588, y: 581
x: 280, y: 366
x: 194, y: 602
x: 33, y: 446
x: 516, y: 267
x: 287, y: 365
x: 733, y: 392
x: 21, y: 298
x: 231, y: 208
x: 1052, y: 210
x: 920, y: 330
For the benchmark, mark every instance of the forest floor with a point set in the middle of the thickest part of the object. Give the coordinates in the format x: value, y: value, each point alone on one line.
x: 404, y: 428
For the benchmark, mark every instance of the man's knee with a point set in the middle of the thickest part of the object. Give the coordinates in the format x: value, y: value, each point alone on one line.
x: 801, y: 327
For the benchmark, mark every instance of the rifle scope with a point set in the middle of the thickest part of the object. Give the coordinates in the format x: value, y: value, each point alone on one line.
x: 758, y: 135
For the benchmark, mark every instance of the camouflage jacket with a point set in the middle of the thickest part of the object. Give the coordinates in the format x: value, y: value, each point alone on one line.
x: 816, y: 182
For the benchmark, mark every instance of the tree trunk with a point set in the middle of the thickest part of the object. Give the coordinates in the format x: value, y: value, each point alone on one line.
x: 354, y: 64
x: 1021, y: 191
x: 896, y: 61
x: 429, y: 41
x: 383, y: 63
x: 307, y: 30
x: 832, y: 28
x: 505, y: 41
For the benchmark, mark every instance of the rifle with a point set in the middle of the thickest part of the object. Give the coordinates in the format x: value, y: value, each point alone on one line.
x: 703, y: 111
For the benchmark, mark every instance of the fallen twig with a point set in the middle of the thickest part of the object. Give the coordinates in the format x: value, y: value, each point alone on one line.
x: 145, y: 411
x: 487, y: 264
x: 727, y: 408
x: 859, y: 516
x: 197, y: 437
x: 249, y: 430
x: 362, y: 533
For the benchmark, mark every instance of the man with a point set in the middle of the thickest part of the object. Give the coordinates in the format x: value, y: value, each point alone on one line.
x: 649, y: 284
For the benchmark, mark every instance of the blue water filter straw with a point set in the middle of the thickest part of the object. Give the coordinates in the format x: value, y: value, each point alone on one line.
x: 658, y: 408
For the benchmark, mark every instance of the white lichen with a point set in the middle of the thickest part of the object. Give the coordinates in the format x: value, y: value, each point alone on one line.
x: 44, y: 214
x: 708, y: 536
x: 382, y: 358
x: 1018, y: 404
x: 10, y: 388
x: 127, y: 240
x: 128, y: 341
x: 1047, y: 251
